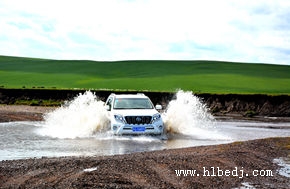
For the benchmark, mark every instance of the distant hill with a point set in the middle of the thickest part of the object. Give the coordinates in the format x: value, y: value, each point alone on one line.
x: 145, y: 75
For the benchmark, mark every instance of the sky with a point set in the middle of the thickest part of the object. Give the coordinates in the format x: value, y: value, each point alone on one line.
x: 256, y: 31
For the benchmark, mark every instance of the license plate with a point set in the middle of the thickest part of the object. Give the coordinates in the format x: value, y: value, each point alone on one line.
x: 138, y: 129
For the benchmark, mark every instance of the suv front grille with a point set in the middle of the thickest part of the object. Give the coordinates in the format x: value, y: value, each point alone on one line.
x: 138, y: 119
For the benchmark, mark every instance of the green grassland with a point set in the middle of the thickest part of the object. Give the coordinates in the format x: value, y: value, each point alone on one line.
x: 197, y: 76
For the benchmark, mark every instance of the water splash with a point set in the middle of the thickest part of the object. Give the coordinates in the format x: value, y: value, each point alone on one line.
x: 84, y: 116
x: 189, y: 116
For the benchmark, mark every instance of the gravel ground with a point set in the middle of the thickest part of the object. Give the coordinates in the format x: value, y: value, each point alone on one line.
x: 233, y: 165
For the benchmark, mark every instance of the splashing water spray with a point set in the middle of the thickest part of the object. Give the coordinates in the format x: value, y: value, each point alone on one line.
x: 187, y: 115
x: 82, y: 117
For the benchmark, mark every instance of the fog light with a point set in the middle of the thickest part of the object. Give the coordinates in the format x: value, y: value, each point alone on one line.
x: 115, y: 127
x: 160, y: 127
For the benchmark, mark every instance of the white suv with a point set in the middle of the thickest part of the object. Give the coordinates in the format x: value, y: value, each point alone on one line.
x: 134, y: 114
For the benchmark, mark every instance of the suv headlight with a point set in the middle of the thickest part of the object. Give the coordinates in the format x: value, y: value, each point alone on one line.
x: 119, y: 118
x: 156, y: 117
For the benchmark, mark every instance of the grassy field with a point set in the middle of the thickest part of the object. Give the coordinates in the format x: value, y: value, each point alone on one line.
x: 196, y: 76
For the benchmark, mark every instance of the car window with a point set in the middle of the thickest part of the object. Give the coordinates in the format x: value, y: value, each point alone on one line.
x: 109, y: 103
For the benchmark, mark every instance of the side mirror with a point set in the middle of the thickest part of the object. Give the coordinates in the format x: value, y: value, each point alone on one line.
x: 158, y: 107
x: 108, y: 108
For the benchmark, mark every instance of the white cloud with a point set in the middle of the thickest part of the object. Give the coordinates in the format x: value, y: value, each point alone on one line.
x: 241, y: 30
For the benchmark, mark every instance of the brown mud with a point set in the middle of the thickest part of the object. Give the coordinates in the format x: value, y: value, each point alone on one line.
x: 23, y: 112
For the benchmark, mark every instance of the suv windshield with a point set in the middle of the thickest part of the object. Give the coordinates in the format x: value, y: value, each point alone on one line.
x: 132, y: 103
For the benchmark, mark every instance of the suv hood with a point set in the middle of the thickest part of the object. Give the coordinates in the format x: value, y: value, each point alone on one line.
x: 135, y: 112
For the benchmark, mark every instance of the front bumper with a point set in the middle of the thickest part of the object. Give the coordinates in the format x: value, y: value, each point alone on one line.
x: 131, y: 129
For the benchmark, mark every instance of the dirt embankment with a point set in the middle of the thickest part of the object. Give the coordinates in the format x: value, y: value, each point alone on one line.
x: 248, y: 163
x: 248, y: 105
